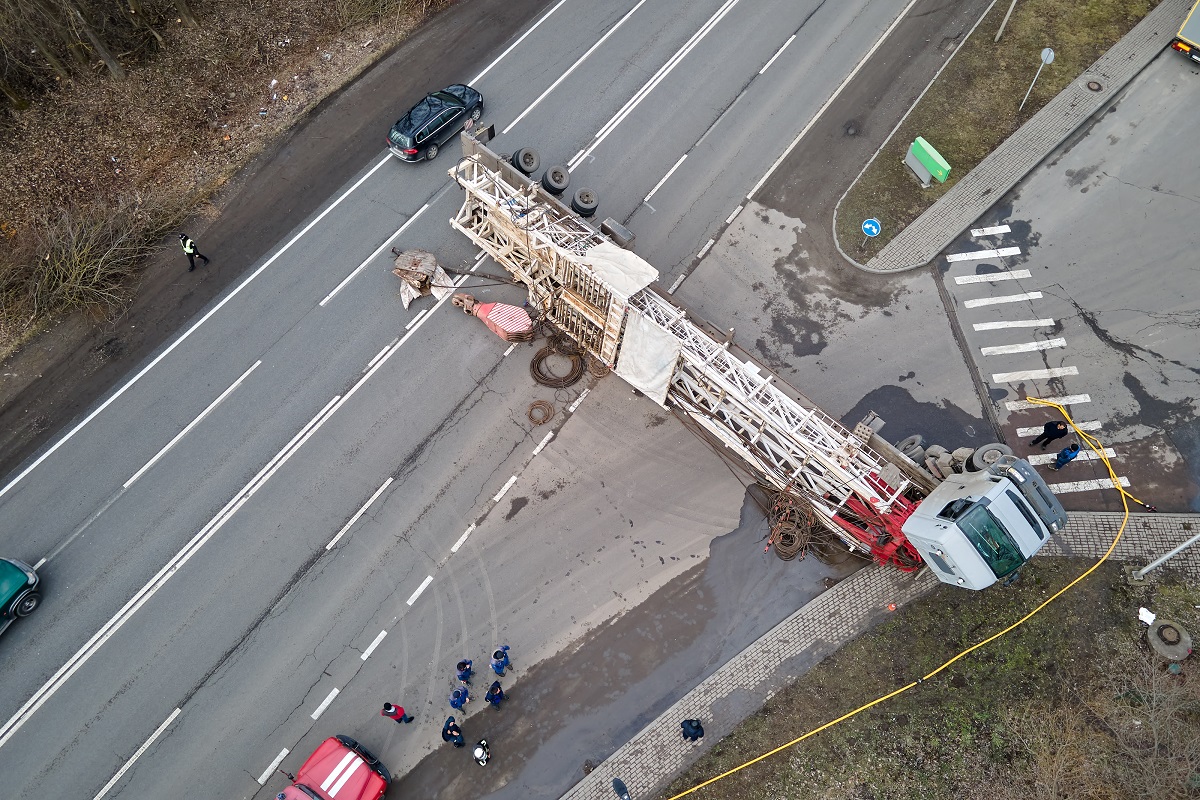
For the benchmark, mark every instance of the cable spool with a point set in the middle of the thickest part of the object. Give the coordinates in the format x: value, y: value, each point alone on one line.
x: 540, y: 412
x: 542, y: 374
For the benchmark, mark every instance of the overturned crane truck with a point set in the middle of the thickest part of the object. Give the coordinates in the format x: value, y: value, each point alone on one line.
x: 971, y: 529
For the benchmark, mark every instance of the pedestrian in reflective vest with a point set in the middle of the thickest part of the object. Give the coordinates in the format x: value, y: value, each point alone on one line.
x: 189, y: 249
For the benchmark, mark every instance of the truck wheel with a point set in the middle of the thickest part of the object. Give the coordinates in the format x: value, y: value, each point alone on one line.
x: 585, y: 202
x: 989, y: 454
x: 555, y: 180
x: 526, y: 160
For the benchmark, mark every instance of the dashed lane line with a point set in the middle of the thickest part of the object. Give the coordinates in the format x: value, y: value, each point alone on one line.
x: 992, y: 231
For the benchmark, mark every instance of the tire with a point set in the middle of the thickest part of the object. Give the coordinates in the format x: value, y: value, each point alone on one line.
x: 585, y: 202
x: 555, y: 180
x: 431, y: 153
x: 25, y: 606
x: 476, y: 113
x: 917, y: 454
x: 985, y: 456
x: 526, y: 160
x: 916, y: 440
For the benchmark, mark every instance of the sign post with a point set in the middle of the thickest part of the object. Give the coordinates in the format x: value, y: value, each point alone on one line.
x: 871, y: 228
x: 1047, y: 58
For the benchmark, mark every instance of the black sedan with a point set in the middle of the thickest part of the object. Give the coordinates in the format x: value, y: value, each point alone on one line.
x: 430, y: 123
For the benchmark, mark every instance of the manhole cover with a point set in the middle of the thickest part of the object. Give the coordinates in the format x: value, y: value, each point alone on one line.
x: 851, y: 128
x: 1169, y: 640
x: 1094, y: 86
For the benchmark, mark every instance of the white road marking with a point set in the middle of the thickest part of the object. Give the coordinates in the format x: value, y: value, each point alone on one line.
x: 379, y: 355
x: 513, y: 46
x: 836, y: 92
x: 504, y: 490
x: 1084, y: 455
x: 1034, y: 374
x: 1007, y: 298
x: 778, y: 53
x: 706, y: 248
x: 270, y: 770
x: 1023, y: 347
x: 1016, y: 323
x: 1062, y: 400
x: 659, y: 76
x: 463, y: 539
x: 412, y: 598
x: 1091, y: 425
x: 417, y: 319
x: 1087, y: 486
x: 371, y: 647
x: 325, y: 703
x: 578, y: 400
x: 992, y: 277
x: 574, y: 66
x: 145, y: 745
x: 358, y: 514
x: 670, y: 172
x: 511, y: 347
x: 372, y: 257
x: 678, y: 282
x: 975, y: 255
x: 184, y: 336
x: 992, y: 231
x: 542, y: 444
x: 140, y: 598
x: 736, y: 211
x: 190, y: 425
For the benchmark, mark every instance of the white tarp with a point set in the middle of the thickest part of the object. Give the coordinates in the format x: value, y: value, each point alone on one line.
x: 624, y: 272
x: 648, y: 356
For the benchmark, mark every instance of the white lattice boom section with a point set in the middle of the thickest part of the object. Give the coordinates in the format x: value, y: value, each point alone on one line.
x: 794, y: 448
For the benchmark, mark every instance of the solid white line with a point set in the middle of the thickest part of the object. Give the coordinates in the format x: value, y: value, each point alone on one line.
x: 736, y: 211
x: 1008, y: 298
x: 1084, y: 455
x: 978, y: 254
x: 778, y: 53
x: 462, y: 539
x: 413, y: 597
x: 992, y: 277
x: 190, y: 425
x: 145, y: 745
x: 325, y: 703
x: 358, y: 514
x: 143, y: 595
x: 512, y: 46
x: 578, y: 400
x: 670, y: 172
x: 1023, y: 347
x: 1018, y: 323
x: 1062, y: 400
x: 416, y: 319
x: 659, y: 76
x: 1086, y: 486
x: 511, y: 347
x: 678, y: 282
x: 504, y: 490
x: 846, y: 82
x: 573, y: 67
x: 270, y: 770
x: 1091, y: 425
x: 171, y: 348
x: 1034, y: 374
x: 542, y: 444
x: 992, y: 231
x: 706, y: 248
x: 371, y: 647
x: 371, y: 257
x: 379, y: 355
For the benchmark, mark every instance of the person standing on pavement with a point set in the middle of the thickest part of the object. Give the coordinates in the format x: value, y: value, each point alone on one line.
x: 692, y: 730
x: 1050, y: 432
x: 464, y: 671
x: 189, y: 249
x: 459, y: 698
x: 452, y: 733
x: 495, y: 695
x: 395, y: 712
x: 1065, y: 456
x: 500, y: 661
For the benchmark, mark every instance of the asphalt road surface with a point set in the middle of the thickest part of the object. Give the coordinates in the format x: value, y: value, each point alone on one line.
x: 1096, y: 301
x: 313, y: 501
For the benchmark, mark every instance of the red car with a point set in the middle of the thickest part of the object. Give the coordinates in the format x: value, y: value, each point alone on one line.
x: 340, y: 769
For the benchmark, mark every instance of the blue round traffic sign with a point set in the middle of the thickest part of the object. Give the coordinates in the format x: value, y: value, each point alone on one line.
x: 871, y: 227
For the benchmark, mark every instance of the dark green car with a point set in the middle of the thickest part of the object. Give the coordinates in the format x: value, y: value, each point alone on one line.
x: 18, y: 591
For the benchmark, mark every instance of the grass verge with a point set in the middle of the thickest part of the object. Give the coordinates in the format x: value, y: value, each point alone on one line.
x: 1071, y: 705
x: 973, y: 105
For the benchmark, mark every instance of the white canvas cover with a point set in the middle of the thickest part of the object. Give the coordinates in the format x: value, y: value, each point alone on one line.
x: 623, y: 272
x: 648, y: 356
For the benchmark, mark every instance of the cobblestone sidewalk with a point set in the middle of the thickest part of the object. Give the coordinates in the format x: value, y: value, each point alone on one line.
x: 1001, y: 170
x: 658, y: 752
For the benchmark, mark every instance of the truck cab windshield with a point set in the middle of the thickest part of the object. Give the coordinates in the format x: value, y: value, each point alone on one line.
x: 991, y: 540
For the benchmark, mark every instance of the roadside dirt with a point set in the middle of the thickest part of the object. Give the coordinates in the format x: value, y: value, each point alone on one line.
x: 77, y: 361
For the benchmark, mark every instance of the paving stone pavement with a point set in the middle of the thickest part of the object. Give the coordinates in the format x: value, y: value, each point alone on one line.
x: 658, y: 753
x: 1001, y: 170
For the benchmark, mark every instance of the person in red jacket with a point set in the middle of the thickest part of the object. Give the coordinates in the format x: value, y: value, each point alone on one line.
x: 395, y: 712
